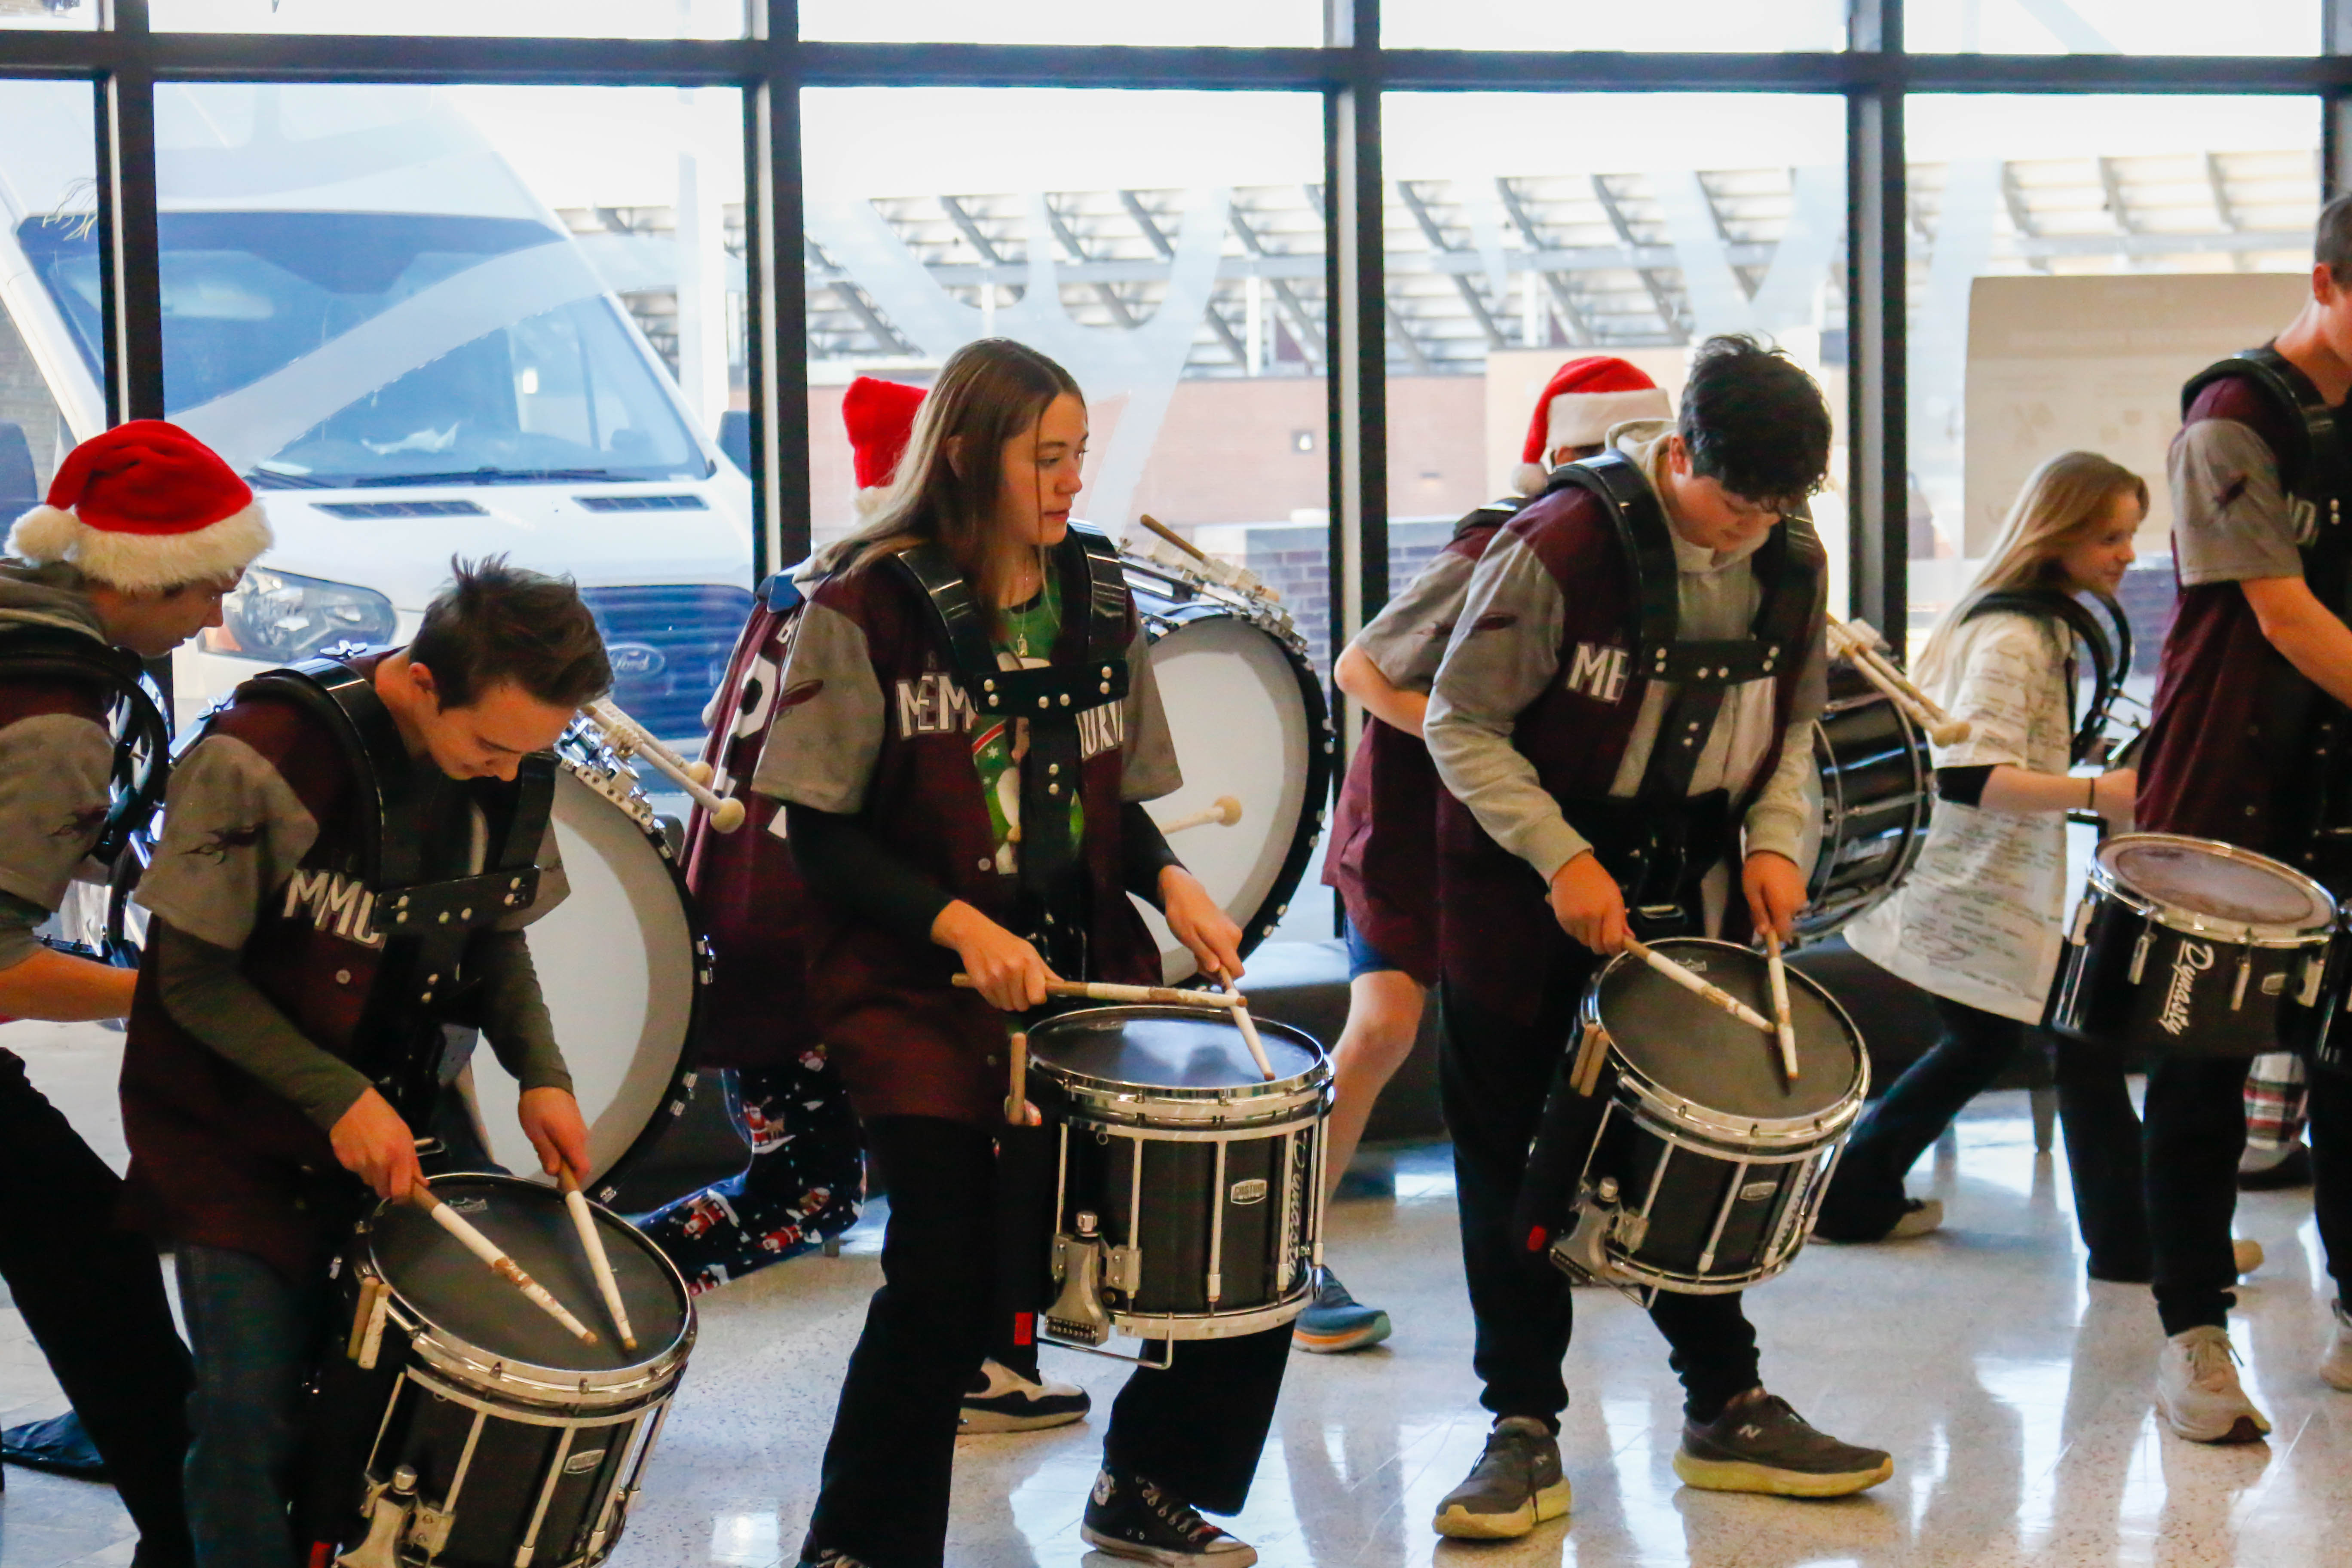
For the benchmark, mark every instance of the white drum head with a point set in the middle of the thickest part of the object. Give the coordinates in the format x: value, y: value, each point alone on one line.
x: 1241, y: 730
x: 615, y: 961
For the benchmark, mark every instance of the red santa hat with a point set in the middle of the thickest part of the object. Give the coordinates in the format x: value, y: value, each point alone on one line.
x: 1586, y: 396
x: 142, y: 507
x: 880, y: 416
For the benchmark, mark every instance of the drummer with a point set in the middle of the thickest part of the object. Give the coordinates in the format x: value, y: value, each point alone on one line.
x: 1550, y: 742
x: 1976, y: 925
x: 937, y: 837
x: 2256, y: 673
x: 267, y: 978
x: 1383, y: 854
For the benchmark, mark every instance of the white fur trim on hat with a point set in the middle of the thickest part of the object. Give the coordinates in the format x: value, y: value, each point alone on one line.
x: 142, y: 562
x: 1529, y: 479
x: 1583, y: 418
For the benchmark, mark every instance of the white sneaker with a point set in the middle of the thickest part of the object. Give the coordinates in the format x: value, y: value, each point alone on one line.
x: 2198, y: 1392
x: 2247, y: 1254
x: 2336, y: 1366
x: 1002, y: 1400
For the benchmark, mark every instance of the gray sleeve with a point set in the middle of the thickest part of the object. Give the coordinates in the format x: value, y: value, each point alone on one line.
x: 828, y: 733
x: 18, y: 920
x: 2231, y: 521
x: 1149, y: 769
x: 1504, y: 652
x: 54, y: 770
x: 1407, y: 640
x: 233, y: 830
x: 514, y: 1013
x: 204, y: 993
x: 1777, y: 820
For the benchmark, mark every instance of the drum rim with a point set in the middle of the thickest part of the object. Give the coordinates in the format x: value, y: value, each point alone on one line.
x: 1775, y: 1132
x: 1129, y: 1100
x: 489, y: 1373
x: 2104, y: 879
x: 1834, y: 917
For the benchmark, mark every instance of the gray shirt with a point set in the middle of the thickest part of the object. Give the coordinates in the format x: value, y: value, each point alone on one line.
x: 2232, y: 521
x: 1406, y: 641
x: 55, y: 770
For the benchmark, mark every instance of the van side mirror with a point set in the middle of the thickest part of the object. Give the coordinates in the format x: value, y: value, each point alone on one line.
x: 735, y: 438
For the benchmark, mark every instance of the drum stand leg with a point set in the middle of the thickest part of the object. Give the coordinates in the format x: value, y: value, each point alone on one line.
x: 2045, y: 1117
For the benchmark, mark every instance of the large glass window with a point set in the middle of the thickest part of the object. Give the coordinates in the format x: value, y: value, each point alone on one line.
x: 1241, y: 24
x: 497, y: 18
x: 51, y: 16
x: 1685, y: 25
x: 48, y: 194
x: 1526, y: 229
x: 2073, y: 261
x: 2110, y: 27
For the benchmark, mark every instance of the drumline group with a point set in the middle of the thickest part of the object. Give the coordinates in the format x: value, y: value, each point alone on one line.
x: 1583, y: 787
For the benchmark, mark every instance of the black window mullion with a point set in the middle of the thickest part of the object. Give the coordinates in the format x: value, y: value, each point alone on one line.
x: 130, y: 278
x: 2336, y: 105
x: 1356, y: 279
x: 1878, y: 538
x: 776, y: 302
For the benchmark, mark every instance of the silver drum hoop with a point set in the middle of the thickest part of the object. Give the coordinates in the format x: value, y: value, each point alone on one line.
x: 1129, y: 1105
x: 2105, y: 882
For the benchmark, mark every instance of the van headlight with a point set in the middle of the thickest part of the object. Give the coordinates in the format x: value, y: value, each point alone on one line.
x: 279, y: 616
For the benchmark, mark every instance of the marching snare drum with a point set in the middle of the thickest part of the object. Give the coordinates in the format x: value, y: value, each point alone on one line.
x: 2191, y: 947
x: 491, y: 1437
x: 1248, y: 714
x: 1868, y: 797
x: 1189, y: 1196
x: 1705, y: 1167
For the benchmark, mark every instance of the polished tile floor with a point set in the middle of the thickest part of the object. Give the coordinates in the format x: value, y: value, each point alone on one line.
x: 2013, y: 1394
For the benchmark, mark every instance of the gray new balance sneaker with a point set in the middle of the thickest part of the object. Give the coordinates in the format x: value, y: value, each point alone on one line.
x: 1515, y: 1486
x: 1760, y: 1445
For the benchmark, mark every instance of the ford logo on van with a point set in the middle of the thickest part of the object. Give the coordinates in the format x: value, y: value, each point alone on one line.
x: 635, y: 658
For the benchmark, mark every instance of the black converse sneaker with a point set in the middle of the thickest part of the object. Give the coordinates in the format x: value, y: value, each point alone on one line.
x: 1128, y: 1516
x: 1760, y: 1445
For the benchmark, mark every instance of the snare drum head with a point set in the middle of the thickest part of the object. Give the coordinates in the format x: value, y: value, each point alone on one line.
x: 2215, y: 881
x: 1241, y: 727
x: 616, y: 964
x: 1166, y: 1048
x: 1688, y: 1045
x: 457, y: 1292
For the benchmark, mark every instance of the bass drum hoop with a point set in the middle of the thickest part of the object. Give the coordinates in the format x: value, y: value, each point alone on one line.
x: 2105, y: 883
x: 1188, y: 600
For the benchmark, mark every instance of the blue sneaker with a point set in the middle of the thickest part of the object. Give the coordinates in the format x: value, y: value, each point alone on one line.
x: 1337, y: 1322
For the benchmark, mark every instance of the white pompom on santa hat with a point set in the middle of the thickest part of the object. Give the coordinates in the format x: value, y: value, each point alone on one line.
x: 1584, y: 399
x: 144, y: 507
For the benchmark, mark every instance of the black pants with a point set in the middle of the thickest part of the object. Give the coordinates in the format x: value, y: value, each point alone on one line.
x: 2102, y: 1153
x: 1494, y: 1076
x: 1196, y: 1428
x: 93, y: 1297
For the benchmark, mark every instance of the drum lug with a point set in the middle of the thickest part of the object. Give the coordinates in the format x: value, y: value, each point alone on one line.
x: 428, y: 1532
x: 2139, y: 954
x: 1076, y: 1315
x: 2314, y: 971
x: 2082, y: 932
x: 2245, y: 973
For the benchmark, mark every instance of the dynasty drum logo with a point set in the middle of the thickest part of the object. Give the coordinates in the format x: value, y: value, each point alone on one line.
x: 2189, y: 961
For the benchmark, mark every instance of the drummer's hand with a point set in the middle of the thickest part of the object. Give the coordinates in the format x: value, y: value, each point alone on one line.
x: 550, y: 1119
x: 2114, y: 794
x: 1004, y: 969
x: 374, y: 1145
x: 1197, y: 921
x: 1776, y: 891
x: 1589, y: 905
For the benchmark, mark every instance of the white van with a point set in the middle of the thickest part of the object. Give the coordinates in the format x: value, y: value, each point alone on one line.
x: 408, y: 355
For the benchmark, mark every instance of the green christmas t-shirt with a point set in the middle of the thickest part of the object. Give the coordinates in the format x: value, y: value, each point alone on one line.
x: 998, y: 745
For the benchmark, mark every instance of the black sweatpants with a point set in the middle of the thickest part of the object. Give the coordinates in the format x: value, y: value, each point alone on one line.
x: 1494, y: 1076
x: 93, y: 1297
x: 1196, y: 1428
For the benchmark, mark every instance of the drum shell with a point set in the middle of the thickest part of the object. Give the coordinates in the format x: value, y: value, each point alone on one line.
x: 1875, y: 781
x: 2128, y: 982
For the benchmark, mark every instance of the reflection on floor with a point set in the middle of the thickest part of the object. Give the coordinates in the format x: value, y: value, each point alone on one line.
x: 2013, y: 1394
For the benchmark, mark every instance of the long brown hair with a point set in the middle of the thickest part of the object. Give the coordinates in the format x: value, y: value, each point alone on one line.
x: 2061, y: 501
x: 989, y: 392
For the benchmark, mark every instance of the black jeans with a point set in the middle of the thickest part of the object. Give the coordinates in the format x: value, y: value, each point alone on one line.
x: 2102, y: 1153
x: 1196, y: 1428
x: 1494, y: 1076
x: 93, y: 1297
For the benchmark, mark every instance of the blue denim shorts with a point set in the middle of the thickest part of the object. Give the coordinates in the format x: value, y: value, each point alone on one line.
x: 1363, y: 958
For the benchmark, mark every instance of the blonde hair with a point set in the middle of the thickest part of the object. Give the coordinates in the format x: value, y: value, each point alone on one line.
x: 2061, y: 501
x: 988, y: 392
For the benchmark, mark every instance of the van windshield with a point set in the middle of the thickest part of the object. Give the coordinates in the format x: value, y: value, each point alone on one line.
x: 450, y: 350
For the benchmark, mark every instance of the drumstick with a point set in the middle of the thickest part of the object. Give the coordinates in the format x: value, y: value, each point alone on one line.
x: 1224, y: 812
x: 1016, y: 1104
x: 1779, y: 973
x: 1140, y: 996
x: 1693, y: 984
x: 632, y: 740
x: 593, y: 1244
x: 1941, y: 727
x: 489, y: 1252
x: 1247, y: 1025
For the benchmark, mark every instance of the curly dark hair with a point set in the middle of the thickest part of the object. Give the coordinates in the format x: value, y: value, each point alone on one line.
x: 498, y: 623
x: 1755, y: 423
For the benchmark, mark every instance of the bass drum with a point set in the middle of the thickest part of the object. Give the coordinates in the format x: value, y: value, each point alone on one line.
x: 1249, y: 718
x: 1867, y: 801
x: 621, y: 964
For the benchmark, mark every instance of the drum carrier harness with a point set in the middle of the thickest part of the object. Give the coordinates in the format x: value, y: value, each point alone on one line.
x: 420, y: 980
x: 2315, y: 805
x: 1661, y: 843
x: 1049, y: 699
x: 2110, y: 659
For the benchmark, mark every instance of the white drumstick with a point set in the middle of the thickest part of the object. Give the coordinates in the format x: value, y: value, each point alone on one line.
x: 489, y: 1252
x: 1855, y: 640
x: 1224, y: 812
x: 1697, y: 987
x: 592, y: 1242
x: 1248, y: 1026
x: 630, y: 739
x: 1780, y: 975
x: 1140, y: 996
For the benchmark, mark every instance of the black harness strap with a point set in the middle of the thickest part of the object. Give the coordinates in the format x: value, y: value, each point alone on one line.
x: 2110, y: 661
